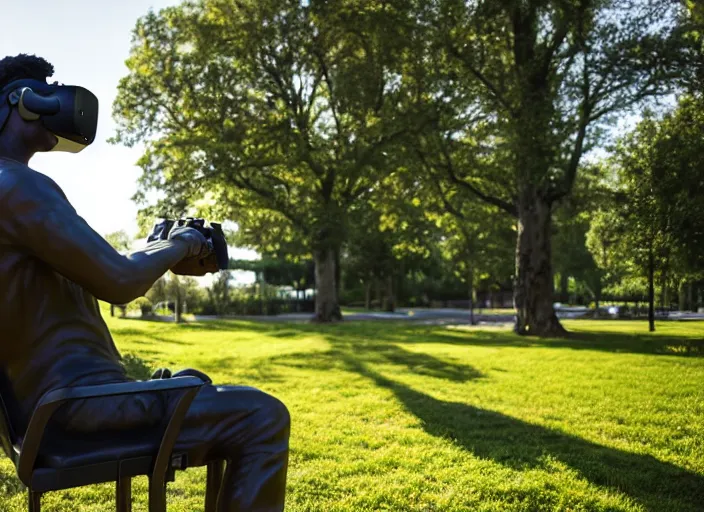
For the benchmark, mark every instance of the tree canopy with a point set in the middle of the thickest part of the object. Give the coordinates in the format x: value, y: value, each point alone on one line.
x: 525, y: 87
x: 387, y: 134
x: 269, y: 108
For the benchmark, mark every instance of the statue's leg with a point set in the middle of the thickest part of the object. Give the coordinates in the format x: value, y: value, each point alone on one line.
x: 244, y: 426
x: 250, y: 430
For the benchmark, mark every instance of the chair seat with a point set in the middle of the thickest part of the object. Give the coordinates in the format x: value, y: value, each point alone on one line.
x: 69, y: 451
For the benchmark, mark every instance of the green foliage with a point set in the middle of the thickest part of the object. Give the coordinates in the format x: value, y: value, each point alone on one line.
x: 572, y: 221
x: 656, y: 208
x: 173, y: 288
x: 136, y: 367
x: 523, y: 89
x: 219, y: 292
x: 632, y: 230
x: 676, y: 153
x: 120, y: 240
x: 143, y: 305
x: 279, y: 272
x: 274, y: 114
x: 158, y: 292
x: 427, y: 242
x: 316, y: 126
x: 390, y: 238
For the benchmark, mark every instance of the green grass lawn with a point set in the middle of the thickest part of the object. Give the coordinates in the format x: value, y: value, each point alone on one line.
x: 392, y: 416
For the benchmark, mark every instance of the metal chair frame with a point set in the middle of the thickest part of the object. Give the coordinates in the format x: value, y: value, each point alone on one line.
x: 159, y: 464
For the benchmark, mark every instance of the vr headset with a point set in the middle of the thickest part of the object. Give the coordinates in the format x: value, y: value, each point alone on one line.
x: 68, y: 111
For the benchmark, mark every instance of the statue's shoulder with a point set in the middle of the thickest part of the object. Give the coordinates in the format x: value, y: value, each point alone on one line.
x: 18, y: 180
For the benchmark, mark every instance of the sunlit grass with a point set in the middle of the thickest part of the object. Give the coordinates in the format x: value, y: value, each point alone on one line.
x: 393, y: 416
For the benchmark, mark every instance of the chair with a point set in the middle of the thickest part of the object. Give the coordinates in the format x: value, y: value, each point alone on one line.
x: 46, y: 463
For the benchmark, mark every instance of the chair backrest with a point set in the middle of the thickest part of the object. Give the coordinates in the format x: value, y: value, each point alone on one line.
x: 8, y: 434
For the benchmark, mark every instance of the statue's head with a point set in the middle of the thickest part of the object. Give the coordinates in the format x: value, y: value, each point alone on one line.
x: 42, y: 116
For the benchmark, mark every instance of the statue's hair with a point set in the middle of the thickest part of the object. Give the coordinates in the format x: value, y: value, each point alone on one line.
x: 24, y: 66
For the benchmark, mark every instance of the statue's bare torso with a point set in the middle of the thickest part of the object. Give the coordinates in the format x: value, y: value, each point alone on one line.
x: 51, y: 331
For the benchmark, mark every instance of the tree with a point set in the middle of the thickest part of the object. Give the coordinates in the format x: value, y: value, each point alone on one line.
x: 269, y: 108
x: 278, y: 271
x: 572, y: 220
x: 219, y: 292
x: 368, y: 257
x: 524, y: 87
x: 159, y: 291
x: 477, y: 243
x: 475, y: 236
x: 638, y: 224
x: 391, y: 235
x: 676, y: 151
x: 177, y: 290
x: 121, y: 242
x: 677, y: 173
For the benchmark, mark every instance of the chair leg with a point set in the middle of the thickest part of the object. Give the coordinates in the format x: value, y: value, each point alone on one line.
x: 35, y: 501
x: 213, y: 483
x: 157, y: 494
x: 123, y: 494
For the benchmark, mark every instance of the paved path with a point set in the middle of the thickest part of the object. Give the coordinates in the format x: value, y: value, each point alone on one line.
x: 458, y: 316
x: 439, y: 316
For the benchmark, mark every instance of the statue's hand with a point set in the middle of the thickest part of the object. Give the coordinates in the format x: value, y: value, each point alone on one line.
x: 197, y: 244
x: 197, y: 266
x: 207, y: 247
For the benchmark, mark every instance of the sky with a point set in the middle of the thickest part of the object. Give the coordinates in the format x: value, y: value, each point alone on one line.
x: 88, y: 42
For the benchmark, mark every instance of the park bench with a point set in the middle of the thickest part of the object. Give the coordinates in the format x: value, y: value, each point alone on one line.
x: 46, y: 461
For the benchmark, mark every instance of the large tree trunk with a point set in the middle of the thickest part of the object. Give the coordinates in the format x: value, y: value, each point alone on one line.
x: 533, y: 285
x: 368, y: 295
x: 326, y: 307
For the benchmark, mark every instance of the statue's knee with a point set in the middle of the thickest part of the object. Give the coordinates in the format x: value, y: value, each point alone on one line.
x: 276, y: 411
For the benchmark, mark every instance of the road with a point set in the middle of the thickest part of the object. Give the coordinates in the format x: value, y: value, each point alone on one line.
x: 416, y: 315
x: 438, y: 316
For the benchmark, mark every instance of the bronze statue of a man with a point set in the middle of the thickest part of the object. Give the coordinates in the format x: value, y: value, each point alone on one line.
x: 54, y: 267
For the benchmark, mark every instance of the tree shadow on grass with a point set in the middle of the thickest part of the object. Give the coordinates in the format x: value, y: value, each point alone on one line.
x: 658, y: 486
x: 245, y: 374
x: 403, y: 332
x: 402, y: 360
x: 633, y: 343
x: 363, y: 334
x: 599, y: 341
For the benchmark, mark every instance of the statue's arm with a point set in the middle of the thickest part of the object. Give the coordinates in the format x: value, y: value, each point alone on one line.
x: 46, y: 225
